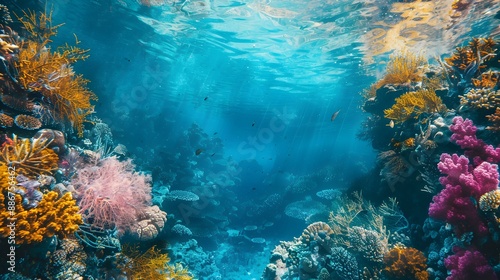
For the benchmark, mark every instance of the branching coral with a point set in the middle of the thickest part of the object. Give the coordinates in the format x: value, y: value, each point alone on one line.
x: 30, y: 157
x: 404, y: 67
x: 484, y: 98
x: 413, y: 104
x: 52, y: 216
x: 487, y: 80
x: 151, y: 264
x: 50, y: 73
x: 476, y: 52
x: 405, y: 263
x: 351, y: 220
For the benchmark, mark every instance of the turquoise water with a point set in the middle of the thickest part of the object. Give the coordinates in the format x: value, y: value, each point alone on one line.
x: 255, y: 107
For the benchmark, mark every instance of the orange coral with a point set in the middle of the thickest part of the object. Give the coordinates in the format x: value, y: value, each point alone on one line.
x: 404, y: 67
x: 465, y: 56
x: 6, y: 120
x: 495, y: 119
x: 409, y: 143
x: 413, y: 104
x: 151, y: 264
x: 487, y: 80
x: 405, y: 263
x: 51, y: 73
x: 30, y: 157
x: 52, y: 216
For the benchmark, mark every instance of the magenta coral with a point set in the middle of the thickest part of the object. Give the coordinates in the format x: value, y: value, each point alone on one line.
x: 112, y: 194
x: 468, y: 265
x: 463, y: 184
x: 464, y: 134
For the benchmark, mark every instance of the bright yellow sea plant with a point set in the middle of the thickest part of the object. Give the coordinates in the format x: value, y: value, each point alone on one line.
x: 404, y: 67
x: 50, y: 72
x: 30, y: 157
x: 413, y: 104
x: 151, y: 264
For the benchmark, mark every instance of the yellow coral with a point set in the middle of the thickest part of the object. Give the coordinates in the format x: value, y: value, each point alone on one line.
x: 52, y: 216
x: 490, y: 201
x: 413, y: 104
x: 404, y: 67
x: 151, y: 264
x: 51, y: 73
x: 30, y: 157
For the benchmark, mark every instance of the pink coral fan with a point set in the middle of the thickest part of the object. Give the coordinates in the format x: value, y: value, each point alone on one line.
x: 111, y: 194
x: 464, y: 134
x: 468, y: 265
x: 463, y: 183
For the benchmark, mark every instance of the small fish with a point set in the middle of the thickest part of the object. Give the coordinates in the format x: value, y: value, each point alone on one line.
x: 212, y: 155
x: 206, y: 97
x: 198, y: 151
x: 254, y: 188
x: 215, y: 133
x: 334, y: 116
x: 253, y: 124
x: 391, y: 124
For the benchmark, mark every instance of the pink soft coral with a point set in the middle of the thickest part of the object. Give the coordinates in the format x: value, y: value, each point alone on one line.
x: 111, y: 194
x: 468, y: 265
x: 463, y: 183
x: 464, y: 134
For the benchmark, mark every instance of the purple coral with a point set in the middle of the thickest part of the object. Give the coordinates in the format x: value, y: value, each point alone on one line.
x: 463, y: 183
x: 464, y: 134
x: 30, y: 192
x: 468, y: 265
